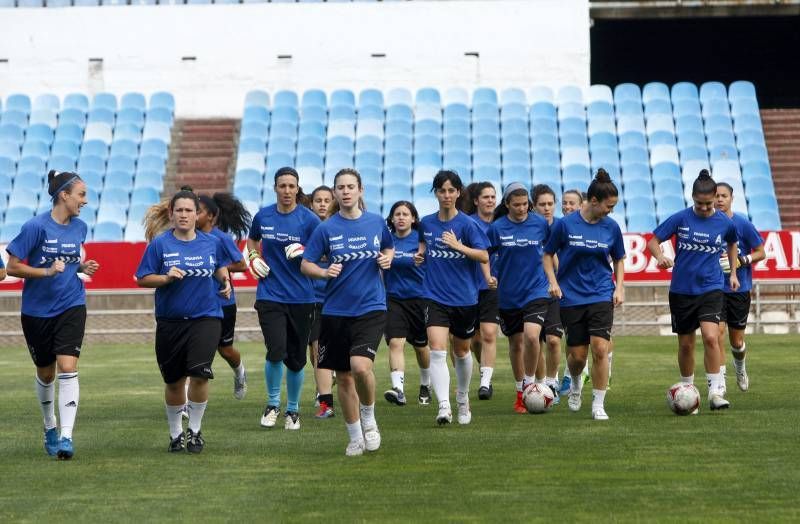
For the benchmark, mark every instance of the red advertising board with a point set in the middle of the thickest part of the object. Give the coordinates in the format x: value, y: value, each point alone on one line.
x: 118, y: 262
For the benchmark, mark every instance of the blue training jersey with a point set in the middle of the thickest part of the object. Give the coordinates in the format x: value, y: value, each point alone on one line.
x: 479, y: 278
x: 700, y: 242
x: 748, y: 239
x: 450, y: 277
x: 196, y: 295
x: 275, y: 230
x: 584, y: 249
x: 320, y: 284
x: 41, y: 241
x: 355, y: 243
x: 234, y: 254
x: 404, y: 281
x: 519, y: 247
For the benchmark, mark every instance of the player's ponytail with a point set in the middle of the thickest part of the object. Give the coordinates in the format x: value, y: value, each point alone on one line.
x: 58, y: 182
x: 232, y: 216
x: 156, y: 220
x: 704, y: 184
x: 602, y: 187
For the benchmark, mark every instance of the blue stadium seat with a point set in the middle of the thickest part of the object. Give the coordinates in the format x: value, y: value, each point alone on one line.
x: 716, y: 106
x: 10, y: 150
x: 514, y: 127
x: 9, y: 231
x: 483, y: 142
x: 72, y: 116
x: 77, y: 101
x: 655, y: 91
x: 313, y: 97
x: 547, y: 157
x: 513, y: 95
x: 457, y: 112
x: 371, y: 113
x: 149, y: 179
x: 747, y: 122
x: 744, y: 107
x: 571, y: 110
x: 107, y: 232
x: 540, y: 94
x: 131, y: 115
x: 569, y: 94
x: 718, y: 123
x: 399, y: 112
x: 163, y: 100
x: 627, y: 92
x: 36, y: 148
x: 255, y: 114
x: 91, y: 163
x: 755, y: 169
x: 112, y: 213
x: 19, y: 102
x: 47, y: 117
x: 628, y: 124
x: 283, y: 129
x: 516, y: 157
x: 723, y: 153
x: 372, y: 143
x: 692, y: 153
x: 576, y: 174
x: 766, y: 220
x: 287, y: 114
x: 310, y: 177
x: 370, y: 97
x: 517, y: 173
x: 518, y: 142
x: 18, y: 214
x: 399, y: 95
x: 429, y: 158
x: 123, y: 131
x: 244, y: 177
x: 368, y: 159
x: 629, y: 108
x: 485, y: 158
x: 488, y: 173
x: 15, y: 117
x: 395, y: 192
x: 151, y: 163
x: 61, y: 163
x: 456, y: 142
x: 124, y: 147
x: 154, y: 147
x: 606, y: 158
x: 252, y: 145
x: 600, y: 109
x: 641, y: 223
x: 666, y: 170
x: 543, y: 126
x: 543, y: 110
x: 741, y: 89
x: 26, y: 165
x: 660, y: 122
x: 750, y: 137
x: 661, y: 138
x: 285, y: 98
x: 684, y: 91
x: 753, y: 153
x: 688, y: 124
x: 686, y: 108
x: 513, y: 111
x: 428, y: 112
x: 342, y: 112
x: 144, y: 195
x: 252, y: 98
x: 133, y: 100
x: 484, y: 95
x: 485, y: 112
x: 485, y: 127
x: 255, y: 130
x: 759, y: 185
x: 657, y: 107
x: 712, y: 90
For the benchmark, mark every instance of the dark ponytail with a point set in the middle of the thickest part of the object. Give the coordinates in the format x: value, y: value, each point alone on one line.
x: 602, y: 187
x: 58, y: 182
x: 231, y: 215
x: 704, y: 184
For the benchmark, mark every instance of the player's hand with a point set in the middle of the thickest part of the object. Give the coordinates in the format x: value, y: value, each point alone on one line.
x: 257, y: 267
x: 555, y: 291
x: 333, y: 271
x: 56, y: 267
x: 90, y: 267
x: 175, y: 273
x: 225, y: 290
x: 294, y: 250
x: 734, y: 282
x: 492, y: 283
x: 450, y: 240
x: 384, y: 261
x: 619, y: 296
x: 419, y: 258
x: 665, y: 262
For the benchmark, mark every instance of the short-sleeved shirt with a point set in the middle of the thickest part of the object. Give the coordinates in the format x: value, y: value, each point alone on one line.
x: 196, y: 295
x: 320, y: 284
x: 699, y: 244
x: 748, y: 239
x: 450, y: 277
x: 480, y: 279
x: 355, y: 243
x: 404, y: 281
x: 275, y: 230
x: 584, y: 249
x: 41, y: 241
x: 234, y: 254
x: 519, y: 247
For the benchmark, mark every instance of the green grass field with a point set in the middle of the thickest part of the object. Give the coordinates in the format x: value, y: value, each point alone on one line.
x: 644, y: 464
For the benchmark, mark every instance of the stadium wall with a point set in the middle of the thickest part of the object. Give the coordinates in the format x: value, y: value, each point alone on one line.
x: 209, y: 56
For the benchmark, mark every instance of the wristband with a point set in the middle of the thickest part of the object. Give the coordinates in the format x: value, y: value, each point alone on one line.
x: 745, y: 260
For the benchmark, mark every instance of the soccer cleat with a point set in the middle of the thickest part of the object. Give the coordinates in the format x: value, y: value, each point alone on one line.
x: 445, y: 416
x: 599, y: 414
x: 177, y: 444
x: 355, y: 448
x: 51, y: 441
x: 485, y: 393
x: 574, y: 401
x: 194, y: 441
x: 239, y: 385
x: 566, y: 381
x: 556, y: 396
x: 395, y: 396
x: 424, y: 395
x: 742, y: 380
x: 270, y: 417
x: 65, y: 450
x: 372, y: 438
x: 464, y: 414
x: 519, y: 406
x: 716, y: 402
x: 291, y: 420
x: 325, y: 411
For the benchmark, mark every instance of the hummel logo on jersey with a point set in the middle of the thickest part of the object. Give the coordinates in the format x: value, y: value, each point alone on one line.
x: 71, y: 404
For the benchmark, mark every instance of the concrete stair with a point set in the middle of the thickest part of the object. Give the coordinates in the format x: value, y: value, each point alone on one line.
x: 782, y: 134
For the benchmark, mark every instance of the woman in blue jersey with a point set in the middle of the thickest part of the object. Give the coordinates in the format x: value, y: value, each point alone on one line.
x: 321, y: 201
x: 517, y: 238
x: 452, y: 245
x: 285, y: 296
x: 405, y: 317
x: 188, y: 269
x: 737, y: 303
x: 358, y: 246
x: 479, y: 202
x: 47, y: 254
x: 696, y: 292
x: 584, y: 241
x: 222, y: 215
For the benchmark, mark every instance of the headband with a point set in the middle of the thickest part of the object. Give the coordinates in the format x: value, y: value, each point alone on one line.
x: 510, y: 188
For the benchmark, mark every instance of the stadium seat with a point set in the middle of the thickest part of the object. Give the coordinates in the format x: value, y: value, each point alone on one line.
x: 684, y: 91
x: 712, y: 90
x: 112, y: 213
x: 107, y: 232
x: 399, y: 96
x: 484, y: 95
x: 655, y: 91
x: 513, y: 95
x: 741, y: 89
x: 517, y: 173
x: 661, y: 138
x: 641, y: 223
x: 14, y: 117
x: 540, y: 94
x: 766, y: 220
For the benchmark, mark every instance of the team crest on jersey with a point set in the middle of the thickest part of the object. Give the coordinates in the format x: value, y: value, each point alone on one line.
x: 376, y: 241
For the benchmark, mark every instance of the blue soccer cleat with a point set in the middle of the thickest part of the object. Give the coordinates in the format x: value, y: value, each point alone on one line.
x: 566, y: 382
x: 51, y: 441
x: 65, y: 450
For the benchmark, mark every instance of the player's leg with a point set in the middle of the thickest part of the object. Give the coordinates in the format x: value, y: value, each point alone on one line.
x: 710, y: 333
x: 39, y: 339
x: 67, y: 341
x: 230, y: 354
x: 299, y: 319
x: 438, y: 330
x: 273, y: 320
x: 599, y: 371
x: 418, y: 335
x: 365, y: 336
x: 397, y: 367
x: 462, y: 322
x: 488, y: 358
x: 201, y: 344
x: 423, y: 355
x: 738, y: 311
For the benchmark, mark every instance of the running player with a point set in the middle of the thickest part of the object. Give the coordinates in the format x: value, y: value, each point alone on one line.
x: 696, y: 292
x: 222, y: 215
x: 358, y: 246
x: 285, y: 296
x: 451, y: 245
x: 47, y: 254
x: 584, y: 241
x: 405, y: 317
x: 188, y: 269
x: 737, y: 303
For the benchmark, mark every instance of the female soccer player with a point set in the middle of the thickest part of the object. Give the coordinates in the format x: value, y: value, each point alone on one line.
x: 188, y: 269
x: 480, y: 199
x: 285, y: 296
x: 451, y: 245
x: 696, y: 291
x: 518, y: 236
x: 571, y: 200
x: 405, y: 317
x: 584, y: 241
x: 222, y: 215
x: 47, y: 254
x: 737, y: 303
x: 321, y: 203
x: 358, y: 246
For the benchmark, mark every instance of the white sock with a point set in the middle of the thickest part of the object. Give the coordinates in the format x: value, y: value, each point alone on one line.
x: 398, y: 378
x: 610, y: 361
x: 196, y: 412
x: 722, y: 370
x: 714, y: 383
x: 440, y: 376
x: 687, y: 380
x: 551, y: 381
x: 576, y: 385
x: 239, y: 370
x: 46, y: 393
x: 527, y: 379
x: 518, y: 385
x: 598, y: 398
x: 367, y: 415
x: 354, y: 430
x: 424, y: 376
x: 585, y: 368
x: 174, y: 420
x: 68, y: 396
x: 486, y: 376
x: 463, y: 376
x: 540, y: 381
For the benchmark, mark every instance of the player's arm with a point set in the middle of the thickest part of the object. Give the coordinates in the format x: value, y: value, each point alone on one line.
x: 2, y: 273
x: 654, y: 245
x: 17, y: 268
x: 619, y: 277
x: 310, y: 269
x: 548, y: 265
x: 154, y: 280
x: 224, y: 278
x: 385, y: 258
x: 733, y: 254
x: 238, y: 267
x: 478, y: 255
x: 757, y: 255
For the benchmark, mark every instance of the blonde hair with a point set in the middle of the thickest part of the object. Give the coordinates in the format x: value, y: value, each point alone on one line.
x: 156, y: 220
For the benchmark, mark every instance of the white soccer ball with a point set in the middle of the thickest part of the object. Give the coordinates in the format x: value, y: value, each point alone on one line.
x: 538, y: 398
x: 683, y: 398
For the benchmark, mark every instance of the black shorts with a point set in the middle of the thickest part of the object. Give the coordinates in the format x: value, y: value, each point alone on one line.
x: 462, y: 320
x: 584, y: 322
x: 50, y: 336
x: 313, y: 335
x: 512, y: 320
x: 736, y: 310
x: 488, y: 308
x: 343, y: 337
x: 552, y: 324
x: 687, y: 311
x: 286, y: 329
x: 405, y: 318
x: 186, y: 347
x: 228, y: 326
